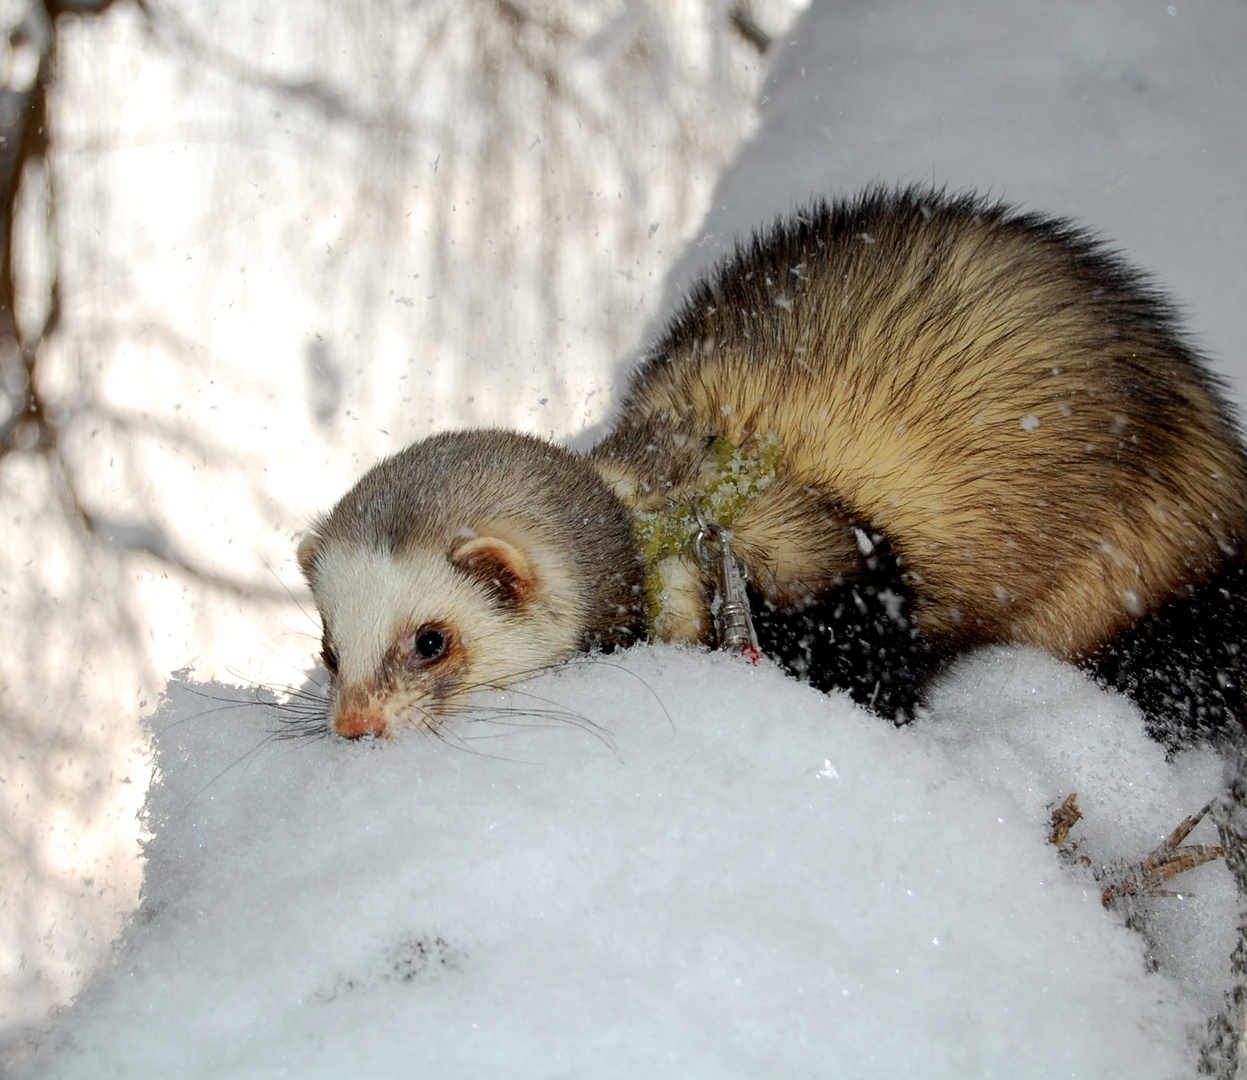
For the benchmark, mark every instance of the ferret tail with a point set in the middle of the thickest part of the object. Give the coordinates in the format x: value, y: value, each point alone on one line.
x: 1184, y: 664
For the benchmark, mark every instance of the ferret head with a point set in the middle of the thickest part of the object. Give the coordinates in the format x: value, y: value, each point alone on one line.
x: 463, y: 562
x: 407, y: 635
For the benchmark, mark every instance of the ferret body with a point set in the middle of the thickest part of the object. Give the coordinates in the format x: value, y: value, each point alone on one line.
x: 940, y: 424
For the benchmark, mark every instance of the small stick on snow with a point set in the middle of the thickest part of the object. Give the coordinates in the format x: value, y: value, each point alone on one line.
x: 1064, y: 818
x: 1169, y: 860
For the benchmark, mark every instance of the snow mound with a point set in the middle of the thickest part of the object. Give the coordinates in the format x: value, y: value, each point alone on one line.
x: 663, y: 864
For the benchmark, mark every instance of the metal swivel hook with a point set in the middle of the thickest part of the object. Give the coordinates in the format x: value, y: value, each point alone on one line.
x: 732, y: 622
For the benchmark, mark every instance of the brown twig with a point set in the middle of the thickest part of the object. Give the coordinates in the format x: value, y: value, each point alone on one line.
x: 1167, y: 861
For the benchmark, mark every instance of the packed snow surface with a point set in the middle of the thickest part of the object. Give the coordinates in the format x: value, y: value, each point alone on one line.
x: 667, y: 864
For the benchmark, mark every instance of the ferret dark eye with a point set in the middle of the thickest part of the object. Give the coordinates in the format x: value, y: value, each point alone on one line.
x: 329, y: 657
x: 430, y: 644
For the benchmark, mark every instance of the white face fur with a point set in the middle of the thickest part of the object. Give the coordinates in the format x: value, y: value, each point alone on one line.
x: 407, y: 639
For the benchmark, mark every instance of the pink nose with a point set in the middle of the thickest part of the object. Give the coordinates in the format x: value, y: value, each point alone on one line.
x: 355, y: 723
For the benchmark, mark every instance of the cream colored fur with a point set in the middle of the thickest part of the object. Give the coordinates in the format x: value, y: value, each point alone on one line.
x: 367, y: 599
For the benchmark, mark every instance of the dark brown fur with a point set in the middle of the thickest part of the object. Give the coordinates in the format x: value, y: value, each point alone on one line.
x: 995, y: 394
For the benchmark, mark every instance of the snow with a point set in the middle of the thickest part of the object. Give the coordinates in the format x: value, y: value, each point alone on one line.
x: 690, y: 867
x: 1125, y: 115
x: 670, y: 863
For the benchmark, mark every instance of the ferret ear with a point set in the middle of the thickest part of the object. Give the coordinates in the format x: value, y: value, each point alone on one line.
x: 497, y: 564
x: 309, y: 548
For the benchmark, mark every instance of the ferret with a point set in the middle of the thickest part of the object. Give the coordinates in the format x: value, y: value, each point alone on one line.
x: 919, y: 422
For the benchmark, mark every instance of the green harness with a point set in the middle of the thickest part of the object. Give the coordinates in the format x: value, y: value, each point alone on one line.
x: 738, y: 475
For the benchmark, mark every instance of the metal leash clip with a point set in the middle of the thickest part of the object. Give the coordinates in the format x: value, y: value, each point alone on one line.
x: 733, y: 624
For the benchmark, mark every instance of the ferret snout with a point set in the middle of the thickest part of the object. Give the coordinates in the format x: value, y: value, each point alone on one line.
x: 354, y: 724
x: 357, y: 713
